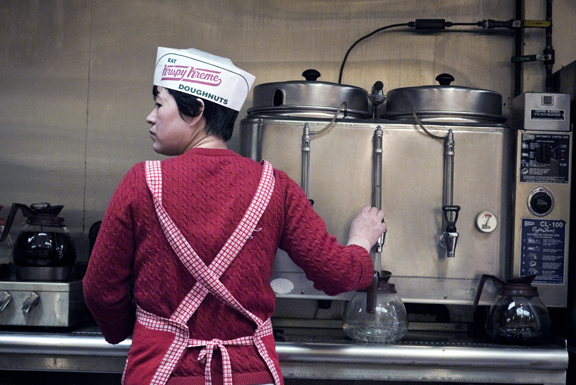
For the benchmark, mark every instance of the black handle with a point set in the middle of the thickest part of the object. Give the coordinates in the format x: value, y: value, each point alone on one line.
x: 444, y: 79
x: 450, y: 224
x: 311, y: 75
x: 15, y: 206
x: 485, y: 277
x: 378, y: 86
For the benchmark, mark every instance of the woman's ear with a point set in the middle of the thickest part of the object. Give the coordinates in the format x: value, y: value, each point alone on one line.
x: 200, y: 117
x: 201, y: 102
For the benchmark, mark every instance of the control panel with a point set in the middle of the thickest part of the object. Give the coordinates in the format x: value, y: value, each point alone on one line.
x: 542, y: 211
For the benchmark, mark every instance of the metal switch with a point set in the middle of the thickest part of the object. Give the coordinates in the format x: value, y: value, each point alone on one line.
x: 5, y: 299
x: 31, y: 302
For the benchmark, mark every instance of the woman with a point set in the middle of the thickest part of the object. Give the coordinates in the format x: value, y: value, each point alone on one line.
x: 197, y: 233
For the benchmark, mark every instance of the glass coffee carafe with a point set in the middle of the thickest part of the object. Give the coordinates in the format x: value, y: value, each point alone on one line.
x: 44, y: 249
x: 517, y: 315
x: 376, y: 314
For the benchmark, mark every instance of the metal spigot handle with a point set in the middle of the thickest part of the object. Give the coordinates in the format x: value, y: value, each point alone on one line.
x: 449, y: 237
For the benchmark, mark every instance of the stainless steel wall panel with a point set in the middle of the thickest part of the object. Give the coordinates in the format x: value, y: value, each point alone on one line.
x: 43, y: 103
x: 75, y: 77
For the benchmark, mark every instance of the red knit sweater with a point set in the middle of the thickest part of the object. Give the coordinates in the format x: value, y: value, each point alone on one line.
x: 206, y: 192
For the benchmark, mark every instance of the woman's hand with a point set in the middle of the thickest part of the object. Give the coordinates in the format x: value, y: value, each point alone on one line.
x: 367, y: 227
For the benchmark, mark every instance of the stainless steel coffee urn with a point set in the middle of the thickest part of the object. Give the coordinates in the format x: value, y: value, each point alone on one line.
x: 439, y: 160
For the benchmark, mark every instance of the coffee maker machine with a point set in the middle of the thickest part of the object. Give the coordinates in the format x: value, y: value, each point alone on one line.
x: 542, y: 198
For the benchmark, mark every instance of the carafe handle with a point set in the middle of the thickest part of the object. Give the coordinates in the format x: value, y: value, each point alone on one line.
x: 10, y: 219
x: 497, y: 282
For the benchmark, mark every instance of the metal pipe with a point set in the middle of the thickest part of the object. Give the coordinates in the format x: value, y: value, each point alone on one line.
x: 518, y: 44
x: 449, y: 237
x: 548, y: 50
x: 377, y: 188
x: 449, y: 169
x: 306, y: 138
x: 377, y: 168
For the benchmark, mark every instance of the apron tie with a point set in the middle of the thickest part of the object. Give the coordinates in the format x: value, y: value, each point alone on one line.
x: 207, y: 352
x: 206, y: 357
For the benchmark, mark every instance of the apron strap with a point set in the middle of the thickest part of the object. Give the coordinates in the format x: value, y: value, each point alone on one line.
x: 207, y: 278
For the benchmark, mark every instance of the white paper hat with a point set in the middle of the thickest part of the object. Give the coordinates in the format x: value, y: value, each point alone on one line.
x: 204, y: 75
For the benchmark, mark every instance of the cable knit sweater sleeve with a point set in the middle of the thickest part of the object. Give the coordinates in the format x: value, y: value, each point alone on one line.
x: 334, y: 268
x: 107, y: 280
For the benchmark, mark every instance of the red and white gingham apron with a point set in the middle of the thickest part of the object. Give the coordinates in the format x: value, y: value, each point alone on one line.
x: 207, y: 278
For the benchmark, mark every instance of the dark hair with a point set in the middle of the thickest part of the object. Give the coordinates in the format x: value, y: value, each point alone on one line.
x: 219, y: 119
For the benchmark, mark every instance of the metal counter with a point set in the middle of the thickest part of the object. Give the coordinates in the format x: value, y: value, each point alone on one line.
x: 416, y: 358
